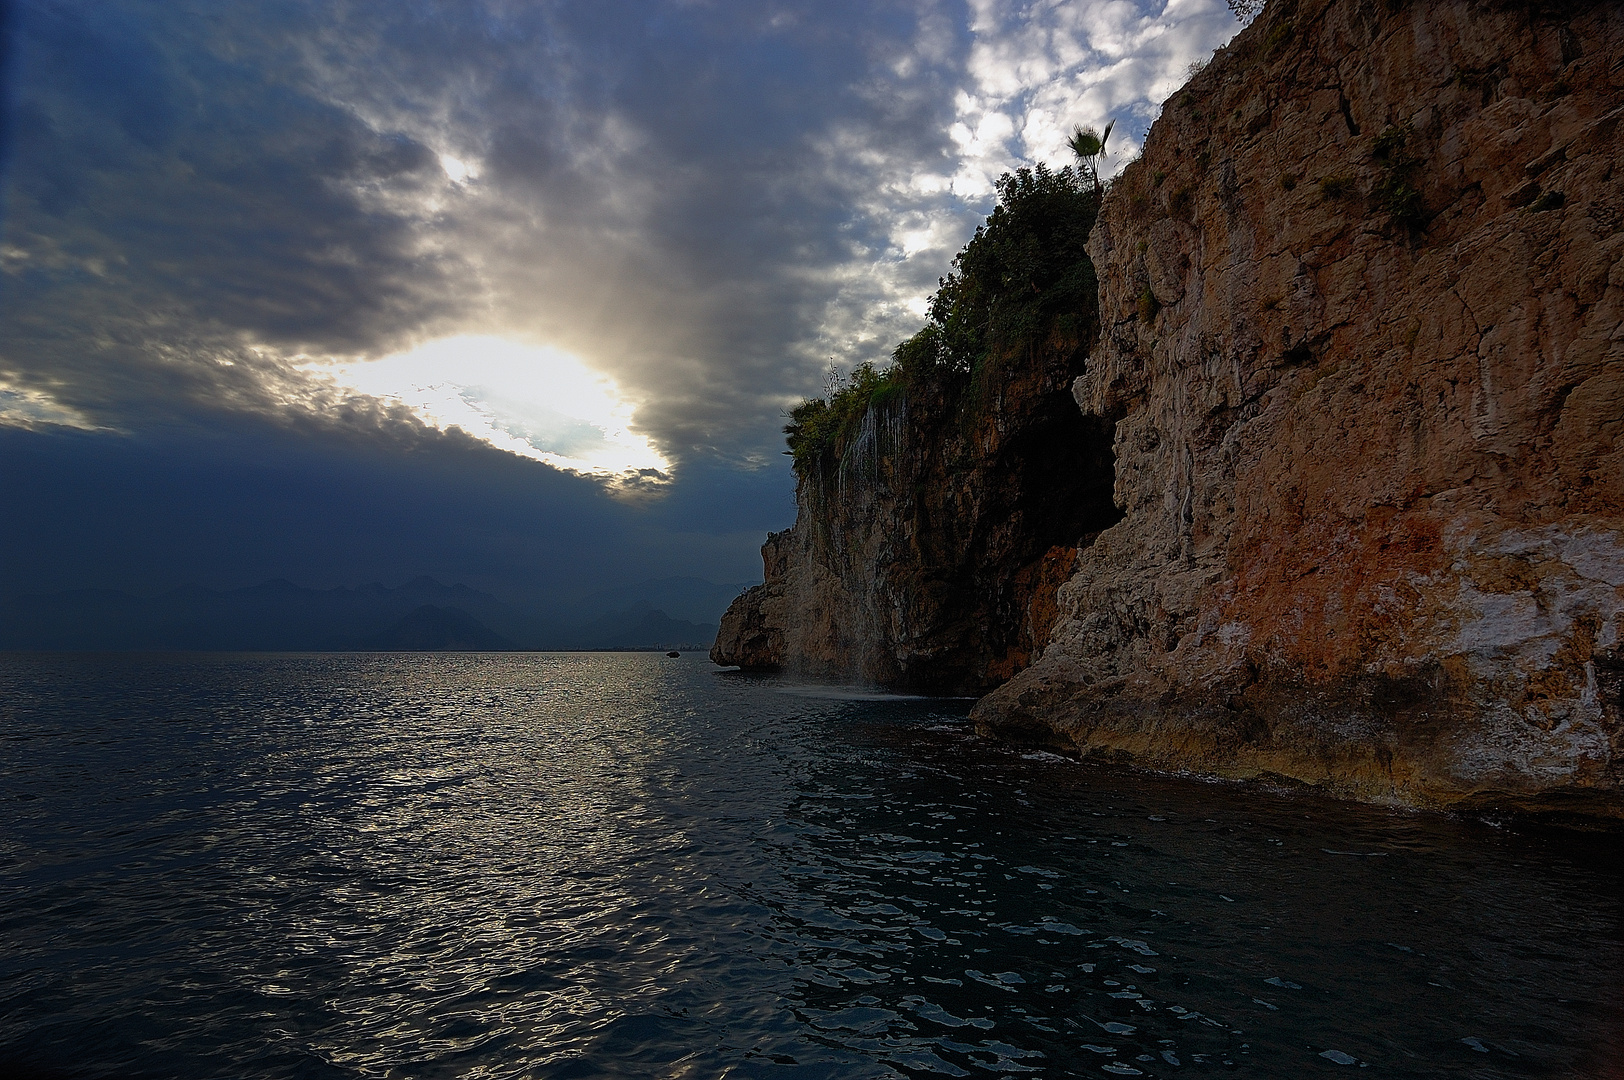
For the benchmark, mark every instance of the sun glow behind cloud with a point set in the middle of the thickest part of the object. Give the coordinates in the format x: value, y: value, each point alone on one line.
x: 534, y: 401
x: 714, y: 245
x: 24, y: 407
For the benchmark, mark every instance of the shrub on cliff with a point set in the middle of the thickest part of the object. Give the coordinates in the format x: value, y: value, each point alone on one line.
x: 1394, y: 191
x: 820, y: 424
x: 1023, y: 275
x: 1024, y: 268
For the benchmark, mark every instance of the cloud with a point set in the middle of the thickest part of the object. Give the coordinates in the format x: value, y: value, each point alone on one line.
x: 1037, y: 70
x: 703, y: 202
x: 533, y: 401
x: 148, y: 513
x: 244, y: 233
x: 22, y: 407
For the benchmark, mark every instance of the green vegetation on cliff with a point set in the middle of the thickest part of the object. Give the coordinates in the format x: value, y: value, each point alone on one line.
x: 1022, y: 278
x: 819, y: 426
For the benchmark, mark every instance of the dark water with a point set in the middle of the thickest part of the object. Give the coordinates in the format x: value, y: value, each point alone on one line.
x: 625, y: 865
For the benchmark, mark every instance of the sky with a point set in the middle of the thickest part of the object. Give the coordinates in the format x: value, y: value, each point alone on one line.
x: 507, y: 292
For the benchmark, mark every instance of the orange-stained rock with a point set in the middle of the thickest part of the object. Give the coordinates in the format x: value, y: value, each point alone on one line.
x: 1363, y: 346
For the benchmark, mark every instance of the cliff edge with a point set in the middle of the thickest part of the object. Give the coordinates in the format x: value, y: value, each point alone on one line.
x: 928, y: 545
x: 1363, y: 357
x: 942, y: 502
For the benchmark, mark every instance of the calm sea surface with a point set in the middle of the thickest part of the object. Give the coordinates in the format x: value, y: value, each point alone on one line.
x: 627, y: 865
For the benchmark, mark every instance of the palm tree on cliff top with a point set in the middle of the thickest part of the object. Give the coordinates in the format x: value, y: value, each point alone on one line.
x: 1089, y: 146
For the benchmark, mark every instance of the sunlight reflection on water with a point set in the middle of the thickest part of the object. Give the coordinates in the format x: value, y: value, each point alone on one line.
x: 624, y: 865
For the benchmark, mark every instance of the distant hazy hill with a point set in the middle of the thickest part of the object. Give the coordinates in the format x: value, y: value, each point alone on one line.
x: 281, y: 616
x: 643, y: 627
x: 431, y: 628
x: 682, y: 598
x: 276, y: 615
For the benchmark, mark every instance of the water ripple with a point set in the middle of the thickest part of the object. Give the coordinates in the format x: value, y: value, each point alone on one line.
x: 624, y: 865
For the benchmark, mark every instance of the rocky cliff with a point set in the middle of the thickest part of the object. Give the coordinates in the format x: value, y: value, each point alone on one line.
x: 928, y: 548
x: 1363, y: 358
x: 942, y: 502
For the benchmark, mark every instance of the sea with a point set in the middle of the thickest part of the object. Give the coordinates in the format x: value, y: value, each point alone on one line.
x: 631, y: 865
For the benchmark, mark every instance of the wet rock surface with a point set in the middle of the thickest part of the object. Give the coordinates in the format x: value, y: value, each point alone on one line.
x: 1363, y: 359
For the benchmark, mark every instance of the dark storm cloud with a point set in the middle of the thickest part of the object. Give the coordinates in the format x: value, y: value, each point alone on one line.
x: 171, y: 202
x: 701, y: 199
x: 655, y: 190
x: 150, y: 513
x: 705, y: 199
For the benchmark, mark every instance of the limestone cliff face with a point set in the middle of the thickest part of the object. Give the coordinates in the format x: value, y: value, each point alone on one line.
x: 928, y: 555
x: 1363, y: 353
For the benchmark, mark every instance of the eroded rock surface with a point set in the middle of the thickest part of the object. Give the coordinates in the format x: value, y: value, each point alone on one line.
x: 1363, y: 354
x: 928, y: 556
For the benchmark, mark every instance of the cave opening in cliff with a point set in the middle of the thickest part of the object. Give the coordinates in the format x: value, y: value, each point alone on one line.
x: 1051, y: 494
x: 1067, y: 470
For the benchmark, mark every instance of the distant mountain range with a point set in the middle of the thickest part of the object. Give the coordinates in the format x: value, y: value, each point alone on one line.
x: 670, y: 613
x: 439, y: 629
